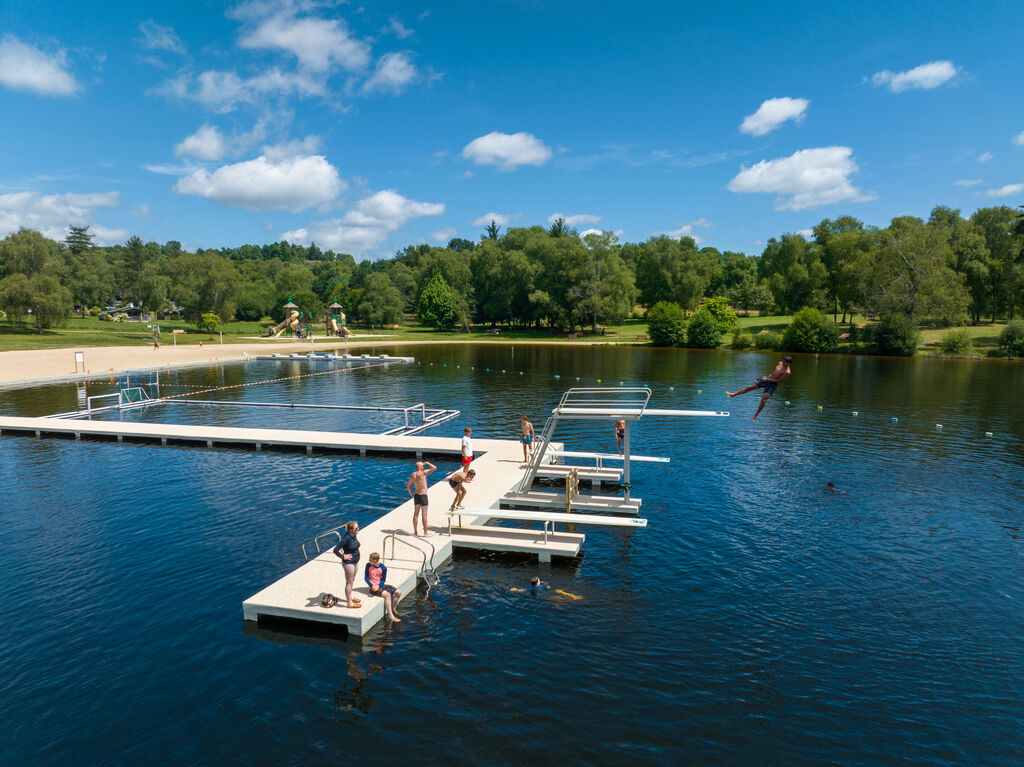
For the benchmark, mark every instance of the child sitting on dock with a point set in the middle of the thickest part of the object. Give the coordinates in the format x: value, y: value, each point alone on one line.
x: 458, y: 481
x: 375, y: 575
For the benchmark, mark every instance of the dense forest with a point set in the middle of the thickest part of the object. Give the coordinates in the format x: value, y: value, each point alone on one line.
x: 944, y: 271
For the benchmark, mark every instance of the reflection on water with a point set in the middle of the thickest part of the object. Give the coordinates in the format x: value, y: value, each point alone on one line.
x: 756, y: 620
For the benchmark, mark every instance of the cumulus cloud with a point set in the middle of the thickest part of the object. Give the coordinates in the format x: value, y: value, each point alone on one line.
x: 397, y: 28
x: 222, y: 91
x: 501, y: 219
x: 686, y: 230
x: 51, y: 214
x: 985, y: 156
x: 507, y: 151
x: 1019, y: 139
x: 576, y: 219
x: 318, y: 44
x: 141, y: 211
x: 444, y: 235
x: 394, y: 71
x: 1005, y: 191
x: 25, y: 68
x: 923, y: 77
x: 968, y: 182
x: 160, y: 38
x: 367, y: 225
x: 807, y: 234
x: 806, y: 179
x: 772, y: 113
x: 293, y: 183
x: 207, y: 143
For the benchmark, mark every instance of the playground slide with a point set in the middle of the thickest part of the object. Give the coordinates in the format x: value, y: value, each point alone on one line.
x: 339, y: 331
x: 292, y: 322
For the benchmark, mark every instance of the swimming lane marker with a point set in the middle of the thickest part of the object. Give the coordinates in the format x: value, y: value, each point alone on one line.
x: 820, y: 407
x: 988, y: 434
x: 938, y: 426
x: 895, y: 419
x: 855, y: 412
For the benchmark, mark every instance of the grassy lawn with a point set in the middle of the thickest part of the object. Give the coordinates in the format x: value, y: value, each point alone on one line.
x: 89, y: 331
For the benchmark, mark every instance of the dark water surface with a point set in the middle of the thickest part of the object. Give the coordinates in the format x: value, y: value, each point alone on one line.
x: 757, y: 620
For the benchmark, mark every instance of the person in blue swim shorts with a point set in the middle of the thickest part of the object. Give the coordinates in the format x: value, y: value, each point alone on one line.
x: 528, y: 435
x: 768, y: 383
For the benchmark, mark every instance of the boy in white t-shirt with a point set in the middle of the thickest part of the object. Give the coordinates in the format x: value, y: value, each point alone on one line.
x: 467, y: 449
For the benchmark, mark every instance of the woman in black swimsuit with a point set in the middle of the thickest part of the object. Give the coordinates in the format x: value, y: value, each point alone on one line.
x: 348, y: 550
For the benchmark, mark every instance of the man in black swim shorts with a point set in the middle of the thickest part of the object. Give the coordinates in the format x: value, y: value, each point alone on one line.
x: 768, y: 383
x: 417, y: 487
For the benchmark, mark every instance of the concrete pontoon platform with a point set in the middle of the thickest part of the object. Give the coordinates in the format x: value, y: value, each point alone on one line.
x: 589, y: 473
x: 538, y: 499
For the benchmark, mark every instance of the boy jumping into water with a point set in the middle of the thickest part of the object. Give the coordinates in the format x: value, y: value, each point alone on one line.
x: 769, y: 383
x: 417, y: 488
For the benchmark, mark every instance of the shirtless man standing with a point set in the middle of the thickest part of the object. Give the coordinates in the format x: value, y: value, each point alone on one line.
x: 769, y: 383
x: 417, y: 487
x: 528, y: 435
x: 620, y: 434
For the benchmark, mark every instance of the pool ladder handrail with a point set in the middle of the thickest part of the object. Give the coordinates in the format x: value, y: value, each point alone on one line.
x: 316, y: 542
x: 427, y: 570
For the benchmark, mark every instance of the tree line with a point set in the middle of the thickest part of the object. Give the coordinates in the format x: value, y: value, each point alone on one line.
x: 946, y: 270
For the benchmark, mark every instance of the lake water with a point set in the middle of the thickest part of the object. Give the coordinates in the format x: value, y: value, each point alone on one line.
x: 757, y: 620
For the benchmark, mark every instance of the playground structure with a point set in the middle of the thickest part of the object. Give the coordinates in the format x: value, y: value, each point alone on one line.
x: 291, y: 322
x: 336, y: 321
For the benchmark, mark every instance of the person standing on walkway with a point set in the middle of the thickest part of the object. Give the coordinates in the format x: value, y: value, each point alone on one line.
x: 467, y: 448
x: 528, y: 436
x: 769, y: 383
x: 348, y: 550
x: 417, y: 488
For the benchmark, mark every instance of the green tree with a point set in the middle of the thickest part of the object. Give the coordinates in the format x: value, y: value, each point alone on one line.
x: 998, y: 225
x: 971, y: 256
x: 1011, y: 339
x: 380, y: 302
x: 666, y: 324
x: 702, y: 331
x: 204, y: 282
x: 492, y: 231
x: 39, y: 296
x: 78, y: 239
x: 724, y: 316
x: 607, y: 291
x: 751, y: 295
x: 674, y: 270
x: 209, y: 322
x: 810, y: 331
x: 28, y: 252
x: 796, y: 276
x: 437, y: 305
x: 896, y: 335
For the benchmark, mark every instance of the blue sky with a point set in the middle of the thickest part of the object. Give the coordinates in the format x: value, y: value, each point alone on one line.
x: 368, y: 127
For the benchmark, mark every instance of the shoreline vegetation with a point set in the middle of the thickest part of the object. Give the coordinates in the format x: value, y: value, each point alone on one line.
x: 947, y: 285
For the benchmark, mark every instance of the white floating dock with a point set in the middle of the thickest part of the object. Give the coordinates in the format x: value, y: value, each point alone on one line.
x: 543, y: 500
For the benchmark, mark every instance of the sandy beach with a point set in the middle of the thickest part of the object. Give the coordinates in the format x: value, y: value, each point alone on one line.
x: 18, y: 368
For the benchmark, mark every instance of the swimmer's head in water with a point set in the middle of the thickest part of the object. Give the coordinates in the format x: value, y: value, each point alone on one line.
x: 831, y: 485
x: 535, y: 581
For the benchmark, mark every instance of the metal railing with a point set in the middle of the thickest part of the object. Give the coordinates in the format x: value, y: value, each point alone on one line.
x: 427, y: 569
x: 316, y: 542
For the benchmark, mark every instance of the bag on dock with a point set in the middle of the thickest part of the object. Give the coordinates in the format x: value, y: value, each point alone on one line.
x: 328, y: 600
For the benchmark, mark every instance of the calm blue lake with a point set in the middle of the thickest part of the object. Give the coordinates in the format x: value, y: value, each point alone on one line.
x: 757, y: 620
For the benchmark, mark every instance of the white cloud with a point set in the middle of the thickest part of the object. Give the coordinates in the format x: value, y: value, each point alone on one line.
x: 772, y: 113
x: 686, y: 230
x: 575, y: 220
x: 501, y: 219
x: 207, y: 143
x: 1005, y: 191
x: 141, y: 211
x: 51, y: 214
x: 968, y: 182
x: 985, y: 156
x: 444, y: 235
x: 806, y: 179
x: 318, y: 44
x: 157, y: 37
x: 924, y: 77
x: 507, y: 151
x: 25, y: 68
x: 1019, y: 139
x: 394, y: 71
x: 294, y: 148
x: 222, y: 90
x: 292, y: 184
x: 398, y: 29
x: 366, y: 226
x: 807, y: 234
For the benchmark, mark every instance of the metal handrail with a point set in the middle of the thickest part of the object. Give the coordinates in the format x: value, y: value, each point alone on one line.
x: 427, y: 569
x: 316, y: 542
